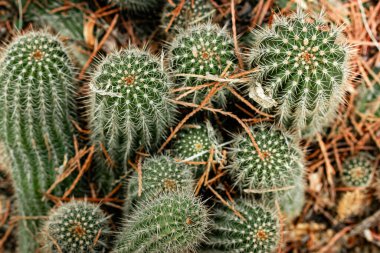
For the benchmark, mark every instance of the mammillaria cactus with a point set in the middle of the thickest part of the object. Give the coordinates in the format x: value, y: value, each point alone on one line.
x: 257, y: 231
x: 160, y: 174
x: 173, y: 222
x: 192, y: 12
x: 130, y: 104
x: 303, y: 71
x: 278, y: 169
x: 36, y: 98
x: 78, y: 227
x: 205, y: 50
x: 358, y: 170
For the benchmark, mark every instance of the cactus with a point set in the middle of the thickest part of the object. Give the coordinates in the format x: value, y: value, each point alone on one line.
x: 192, y: 12
x: 36, y: 98
x: 303, y: 72
x: 281, y: 164
x: 257, y: 231
x: 193, y: 142
x: 172, y: 222
x: 77, y: 227
x: 130, y: 104
x: 368, y: 102
x: 292, y: 202
x: 138, y: 5
x: 352, y: 204
x: 160, y: 174
x: 205, y: 50
x: 358, y: 170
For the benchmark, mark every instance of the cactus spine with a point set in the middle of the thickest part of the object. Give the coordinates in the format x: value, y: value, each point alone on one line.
x: 281, y: 166
x: 130, y: 104
x: 160, y: 174
x: 173, y: 222
x: 36, y: 97
x: 205, y: 50
x: 257, y: 231
x: 76, y: 227
x: 303, y: 71
x: 358, y: 170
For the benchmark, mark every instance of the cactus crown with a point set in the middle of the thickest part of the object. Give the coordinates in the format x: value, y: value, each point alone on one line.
x: 192, y: 12
x: 357, y: 170
x: 204, y: 50
x: 194, y: 142
x: 257, y: 232
x: 77, y: 227
x: 282, y: 160
x: 173, y: 222
x: 160, y: 174
x: 303, y: 70
x: 130, y: 103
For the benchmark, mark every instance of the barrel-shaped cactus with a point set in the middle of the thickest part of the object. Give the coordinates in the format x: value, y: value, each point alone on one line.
x: 192, y: 12
x: 205, y: 50
x: 279, y: 167
x: 159, y: 174
x: 172, y: 222
x: 78, y: 227
x: 358, y: 170
x: 130, y: 105
x: 36, y: 100
x: 258, y: 229
x: 303, y: 71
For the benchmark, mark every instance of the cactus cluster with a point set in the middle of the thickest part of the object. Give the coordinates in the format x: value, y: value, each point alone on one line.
x: 36, y: 98
x: 160, y: 174
x: 358, y: 170
x: 303, y: 71
x: 130, y: 104
x: 256, y: 231
x: 202, y: 51
x: 191, y: 13
x: 78, y: 227
x: 279, y: 167
x: 173, y: 222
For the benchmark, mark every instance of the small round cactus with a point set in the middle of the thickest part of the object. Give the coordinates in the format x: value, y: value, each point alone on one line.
x: 192, y: 12
x: 259, y: 231
x: 368, y: 102
x: 193, y: 142
x: 303, y: 72
x: 130, y: 104
x: 357, y: 170
x: 204, y: 50
x: 292, y: 202
x: 172, y: 222
x: 160, y: 174
x: 77, y: 227
x: 281, y: 164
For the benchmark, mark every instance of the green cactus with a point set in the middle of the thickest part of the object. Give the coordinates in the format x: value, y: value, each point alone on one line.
x: 258, y: 230
x: 139, y: 5
x: 173, y: 222
x: 78, y: 227
x: 192, y: 12
x: 279, y: 168
x: 193, y: 142
x: 160, y: 174
x: 358, y: 170
x: 130, y: 104
x: 36, y: 98
x: 303, y: 72
x: 368, y: 102
x: 204, y: 50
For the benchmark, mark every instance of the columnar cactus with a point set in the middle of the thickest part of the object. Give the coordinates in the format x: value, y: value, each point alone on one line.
x: 278, y: 169
x: 358, y: 170
x: 36, y: 98
x: 205, y: 50
x: 192, y: 12
x: 257, y: 231
x: 303, y: 71
x: 193, y: 142
x: 130, y: 104
x: 173, y: 222
x: 159, y: 174
x: 78, y: 227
